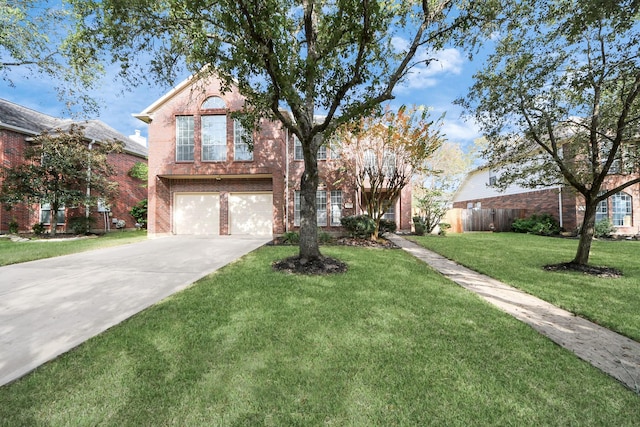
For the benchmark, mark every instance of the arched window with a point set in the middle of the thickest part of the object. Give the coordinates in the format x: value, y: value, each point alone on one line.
x: 602, y: 210
x: 621, y: 209
x: 212, y: 103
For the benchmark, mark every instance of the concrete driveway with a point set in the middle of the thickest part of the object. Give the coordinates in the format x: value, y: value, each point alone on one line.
x: 49, y: 306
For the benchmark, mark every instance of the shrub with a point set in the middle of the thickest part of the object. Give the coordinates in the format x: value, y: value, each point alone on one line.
x: 604, y: 228
x: 387, y: 226
x: 543, y: 224
x: 139, y: 212
x: 358, y: 226
x: 443, y: 228
x: 291, y: 238
x: 419, y: 225
x: 324, y: 237
x: 38, y: 228
x: 81, y: 224
x: 13, y: 227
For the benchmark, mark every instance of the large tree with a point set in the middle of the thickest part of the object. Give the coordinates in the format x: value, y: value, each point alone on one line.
x: 559, y: 99
x: 61, y: 169
x: 384, y: 153
x: 32, y: 44
x: 337, y: 59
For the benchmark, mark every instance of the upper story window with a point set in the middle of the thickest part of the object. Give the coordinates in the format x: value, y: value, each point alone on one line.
x: 214, y: 138
x: 299, y: 155
x: 241, y: 149
x: 184, y: 138
x: 213, y: 103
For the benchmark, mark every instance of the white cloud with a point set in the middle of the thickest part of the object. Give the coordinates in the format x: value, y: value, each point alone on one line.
x: 432, y: 67
x: 460, y: 131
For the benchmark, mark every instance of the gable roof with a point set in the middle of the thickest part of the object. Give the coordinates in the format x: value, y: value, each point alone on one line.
x: 30, y: 122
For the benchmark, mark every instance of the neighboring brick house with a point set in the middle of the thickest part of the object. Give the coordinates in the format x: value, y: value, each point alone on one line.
x: 567, y: 206
x: 19, y: 125
x: 203, y: 179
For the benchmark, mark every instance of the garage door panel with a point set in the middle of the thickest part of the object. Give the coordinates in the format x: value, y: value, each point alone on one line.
x: 197, y: 214
x: 251, y: 214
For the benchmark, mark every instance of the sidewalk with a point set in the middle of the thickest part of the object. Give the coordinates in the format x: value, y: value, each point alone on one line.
x: 608, y: 351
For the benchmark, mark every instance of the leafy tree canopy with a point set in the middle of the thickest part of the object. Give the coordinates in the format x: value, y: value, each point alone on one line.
x: 336, y: 58
x: 558, y: 99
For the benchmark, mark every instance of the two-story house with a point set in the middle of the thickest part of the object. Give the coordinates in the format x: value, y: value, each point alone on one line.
x: 204, y: 180
x: 19, y: 125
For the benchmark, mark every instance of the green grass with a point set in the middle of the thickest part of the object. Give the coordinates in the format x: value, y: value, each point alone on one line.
x: 517, y: 259
x: 388, y: 343
x: 15, y: 252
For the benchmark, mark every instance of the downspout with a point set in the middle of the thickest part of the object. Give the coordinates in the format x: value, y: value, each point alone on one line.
x: 286, y: 179
x: 86, y: 205
x: 560, y: 207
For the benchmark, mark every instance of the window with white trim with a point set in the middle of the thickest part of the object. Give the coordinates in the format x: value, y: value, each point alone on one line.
x: 184, y: 138
x: 322, y: 152
x: 297, y: 149
x: 45, y: 214
x: 213, y: 103
x: 214, y: 138
x: 621, y: 210
x: 390, y: 214
x: 321, y: 208
x: 241, y: 150
x: 336, y: 207
x: 602, y: 210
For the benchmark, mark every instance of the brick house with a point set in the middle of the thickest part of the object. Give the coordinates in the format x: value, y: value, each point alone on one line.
x: 562, y: 202
x: 203, y: 180
x: 18, y: 125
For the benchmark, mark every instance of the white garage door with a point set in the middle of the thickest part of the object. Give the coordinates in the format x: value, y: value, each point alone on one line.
x: 251, y: 214
x: 196, y: 213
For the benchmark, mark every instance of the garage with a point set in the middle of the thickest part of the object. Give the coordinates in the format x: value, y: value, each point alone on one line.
x: 251, y: 213
x: 196, y: 213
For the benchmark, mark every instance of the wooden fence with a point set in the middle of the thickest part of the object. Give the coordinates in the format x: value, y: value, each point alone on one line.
x: 464, y: 220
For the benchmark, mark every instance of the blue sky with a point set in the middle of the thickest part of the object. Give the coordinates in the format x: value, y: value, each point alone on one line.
x: 435, y: 86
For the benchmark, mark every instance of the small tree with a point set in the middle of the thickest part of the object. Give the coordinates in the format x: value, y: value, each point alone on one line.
x: 432, y: 207
x: 61, y: 169
x: 387, y: 150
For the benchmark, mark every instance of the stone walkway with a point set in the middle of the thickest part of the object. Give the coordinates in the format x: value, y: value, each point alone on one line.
x: 608, y: 351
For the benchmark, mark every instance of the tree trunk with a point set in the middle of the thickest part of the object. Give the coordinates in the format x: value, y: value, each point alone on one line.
x: 309, y: 247
x: 586, y: 234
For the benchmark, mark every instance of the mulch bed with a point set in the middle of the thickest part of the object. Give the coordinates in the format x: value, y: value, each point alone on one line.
x: 591, y: 270
x: 325, y: 265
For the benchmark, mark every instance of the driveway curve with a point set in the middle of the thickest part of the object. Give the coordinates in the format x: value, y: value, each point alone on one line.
x: 50, y: 306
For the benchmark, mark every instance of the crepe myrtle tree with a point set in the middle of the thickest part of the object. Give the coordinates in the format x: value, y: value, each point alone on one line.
x: 383, y: 153
x: 337, y: 59
x: 559, y: 100
x: 62, y: 168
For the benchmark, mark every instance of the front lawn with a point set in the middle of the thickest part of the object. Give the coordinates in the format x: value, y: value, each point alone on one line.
x: 15, y: 252
x: 388, y: 343
x: 518, y: 259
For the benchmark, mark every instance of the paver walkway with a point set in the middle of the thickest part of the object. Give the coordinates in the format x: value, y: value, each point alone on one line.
x: 610, y: 352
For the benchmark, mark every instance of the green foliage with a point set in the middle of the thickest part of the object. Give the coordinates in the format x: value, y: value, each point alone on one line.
x: 13, y: 226
x: 387, y: 226
x: 324, y: 237
x: 444, y: 227
x: 139, y: 212
x: 291, y: 238
x: 419, y: 225
x: 604, y: 228
x: 38, y: 228
x: 359, y: 226
x: 140, y: 171
x: 432, y: 207
x: 542, y: 224
x: 81, y: 224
